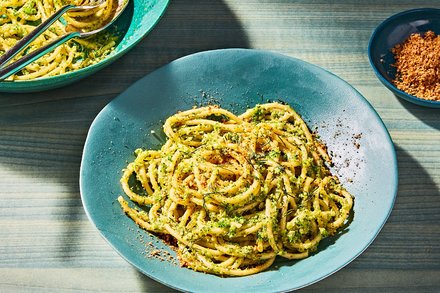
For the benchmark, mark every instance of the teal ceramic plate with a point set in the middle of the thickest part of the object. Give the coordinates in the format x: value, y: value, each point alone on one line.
x: 236, y: 79
x: 136, y: 21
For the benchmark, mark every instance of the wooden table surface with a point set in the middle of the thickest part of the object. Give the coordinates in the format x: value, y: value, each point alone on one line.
x: 47, y: 243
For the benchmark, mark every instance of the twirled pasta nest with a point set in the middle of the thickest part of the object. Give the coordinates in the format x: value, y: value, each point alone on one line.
x: 236, y: 191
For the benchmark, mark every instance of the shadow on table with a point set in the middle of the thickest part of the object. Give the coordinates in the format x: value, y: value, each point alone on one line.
x: 418, y: 190
x: 429, y: 116
x: 186, y: 27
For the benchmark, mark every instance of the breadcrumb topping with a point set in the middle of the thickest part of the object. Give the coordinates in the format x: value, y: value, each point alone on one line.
x: 418, y: 66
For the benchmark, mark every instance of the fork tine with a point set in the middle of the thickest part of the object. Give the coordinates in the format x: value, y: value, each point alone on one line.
x: 16, y: 66
x: 24, y: 42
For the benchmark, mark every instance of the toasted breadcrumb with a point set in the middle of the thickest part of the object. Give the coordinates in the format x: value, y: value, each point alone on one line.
x: 418, y: 66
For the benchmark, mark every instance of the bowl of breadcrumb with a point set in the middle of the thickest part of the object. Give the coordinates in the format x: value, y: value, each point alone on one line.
x: 404, y: 51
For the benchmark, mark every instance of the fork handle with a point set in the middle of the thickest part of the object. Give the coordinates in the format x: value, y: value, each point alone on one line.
x: 12, y: 68
x: 24, y: 42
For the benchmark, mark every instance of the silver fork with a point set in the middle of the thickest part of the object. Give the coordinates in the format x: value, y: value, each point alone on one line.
x: 24, y: 42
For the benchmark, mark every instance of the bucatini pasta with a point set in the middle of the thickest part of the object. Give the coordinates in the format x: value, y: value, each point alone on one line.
x: 19, y: 17
x: 235, y: 192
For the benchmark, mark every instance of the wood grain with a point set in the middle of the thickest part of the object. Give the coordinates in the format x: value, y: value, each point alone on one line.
x: 46, y: 241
